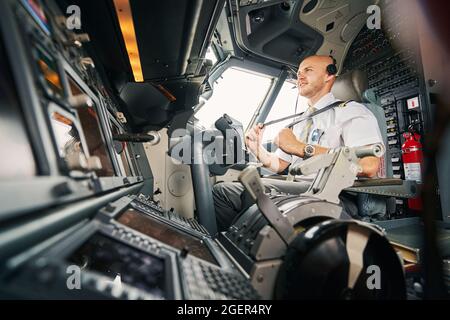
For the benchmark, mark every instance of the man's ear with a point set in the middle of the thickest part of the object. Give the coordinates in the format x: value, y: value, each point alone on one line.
x: 329, y: 77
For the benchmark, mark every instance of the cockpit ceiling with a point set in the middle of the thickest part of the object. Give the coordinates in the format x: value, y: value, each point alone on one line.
x: 287, y: 31
x: 150, y: 52
x: 170, y: 35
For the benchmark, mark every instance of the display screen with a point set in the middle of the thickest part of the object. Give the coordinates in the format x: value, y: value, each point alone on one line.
x: 147, y: 225
x: 90, y: 125
x: 68, y: 141
x: 134, y: 267
x: 49, y: 70
x: 17, y: 159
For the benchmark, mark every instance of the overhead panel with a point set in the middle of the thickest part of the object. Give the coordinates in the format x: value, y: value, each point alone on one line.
x: 339, y: 21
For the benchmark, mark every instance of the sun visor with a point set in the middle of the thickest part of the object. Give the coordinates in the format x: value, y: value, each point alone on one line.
x: 146, y: 103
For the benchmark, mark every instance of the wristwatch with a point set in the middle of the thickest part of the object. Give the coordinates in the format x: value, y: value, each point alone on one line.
x: 308, y: 151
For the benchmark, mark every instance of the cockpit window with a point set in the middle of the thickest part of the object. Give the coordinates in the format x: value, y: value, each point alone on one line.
x: 286, y: 104
x: 237, y: 93
x: 211, y: 55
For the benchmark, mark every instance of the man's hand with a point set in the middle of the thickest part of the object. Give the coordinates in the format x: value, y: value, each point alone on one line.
x: 287, y: 142
x: 253, y: 139
x: 369, y: 166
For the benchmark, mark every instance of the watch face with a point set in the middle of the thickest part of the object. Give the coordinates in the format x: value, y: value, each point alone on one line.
x: 309, y: 150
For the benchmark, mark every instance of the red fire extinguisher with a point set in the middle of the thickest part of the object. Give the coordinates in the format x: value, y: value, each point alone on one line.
x: 412, y: 163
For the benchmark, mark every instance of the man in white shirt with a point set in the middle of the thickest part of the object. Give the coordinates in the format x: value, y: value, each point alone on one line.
x: 352, y: 125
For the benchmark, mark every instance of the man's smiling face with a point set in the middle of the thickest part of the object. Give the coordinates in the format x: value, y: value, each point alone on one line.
x: 312, y: 75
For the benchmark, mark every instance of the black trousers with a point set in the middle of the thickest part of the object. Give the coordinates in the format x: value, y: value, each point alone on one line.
x: 230, y: 198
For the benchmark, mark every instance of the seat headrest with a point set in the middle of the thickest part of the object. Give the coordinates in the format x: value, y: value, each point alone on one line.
x: 350, y: 86
x: 370, y: 96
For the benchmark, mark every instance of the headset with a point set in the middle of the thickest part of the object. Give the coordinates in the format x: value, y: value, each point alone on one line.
x: 332, y: 68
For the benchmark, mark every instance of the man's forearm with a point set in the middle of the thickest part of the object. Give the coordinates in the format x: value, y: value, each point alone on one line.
x: 369, y: 165
x: 269, y: 160
x: 298, y: 149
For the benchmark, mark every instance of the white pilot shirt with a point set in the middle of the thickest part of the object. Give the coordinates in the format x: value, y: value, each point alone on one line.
x: 353, y: 126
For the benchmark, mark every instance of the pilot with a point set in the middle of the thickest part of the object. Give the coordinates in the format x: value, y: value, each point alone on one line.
x: 350, y: 125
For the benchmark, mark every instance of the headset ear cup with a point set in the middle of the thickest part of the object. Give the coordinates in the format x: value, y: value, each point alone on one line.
x: 331, y: 69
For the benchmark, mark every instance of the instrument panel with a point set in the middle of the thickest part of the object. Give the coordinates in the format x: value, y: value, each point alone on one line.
x: 125, y: 253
